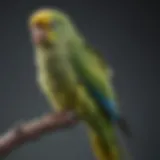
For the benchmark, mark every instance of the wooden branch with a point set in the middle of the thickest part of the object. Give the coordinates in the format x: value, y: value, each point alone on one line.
x: 32, y: 130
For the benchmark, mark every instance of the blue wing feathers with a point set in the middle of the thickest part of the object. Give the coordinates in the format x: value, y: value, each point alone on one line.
x: 107, y: 105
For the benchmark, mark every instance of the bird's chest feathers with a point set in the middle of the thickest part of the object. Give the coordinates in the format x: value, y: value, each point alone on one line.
x: 52, y: 72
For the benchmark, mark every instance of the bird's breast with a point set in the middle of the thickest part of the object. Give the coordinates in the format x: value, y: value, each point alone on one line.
x: 51, y: 74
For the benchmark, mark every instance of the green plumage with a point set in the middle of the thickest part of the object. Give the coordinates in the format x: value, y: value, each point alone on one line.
x: 67, y: 68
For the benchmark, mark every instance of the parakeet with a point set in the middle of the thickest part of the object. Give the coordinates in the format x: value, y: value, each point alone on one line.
x: 73, y: 76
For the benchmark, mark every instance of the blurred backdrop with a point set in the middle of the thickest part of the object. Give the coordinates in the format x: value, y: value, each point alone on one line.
x: 125, y: 32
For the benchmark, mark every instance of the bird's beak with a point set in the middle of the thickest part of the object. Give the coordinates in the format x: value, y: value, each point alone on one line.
x: 38, y: 35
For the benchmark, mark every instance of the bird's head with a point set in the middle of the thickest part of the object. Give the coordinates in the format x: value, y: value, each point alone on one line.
x: 50, y: 26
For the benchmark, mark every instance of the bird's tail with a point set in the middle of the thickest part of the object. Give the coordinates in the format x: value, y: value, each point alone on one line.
x: 123, y: 125
x: 101, y: 151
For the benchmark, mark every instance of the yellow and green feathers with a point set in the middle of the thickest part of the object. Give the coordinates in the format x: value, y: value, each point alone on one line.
x: 73, y: 77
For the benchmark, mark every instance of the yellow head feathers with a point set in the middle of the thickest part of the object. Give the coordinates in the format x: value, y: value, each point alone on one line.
x: 42, y: 17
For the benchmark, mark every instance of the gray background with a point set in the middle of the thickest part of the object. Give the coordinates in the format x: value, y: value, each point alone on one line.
x: 125, y: 33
